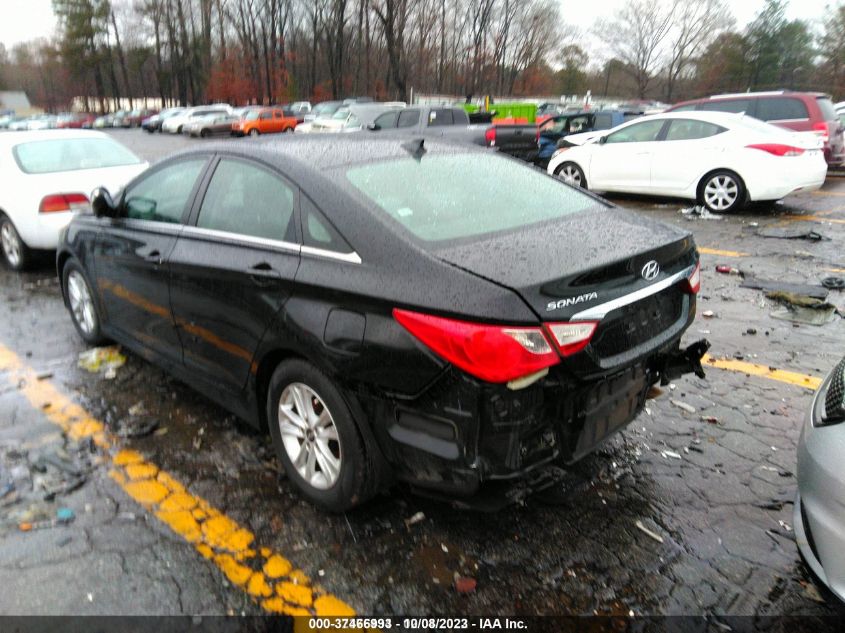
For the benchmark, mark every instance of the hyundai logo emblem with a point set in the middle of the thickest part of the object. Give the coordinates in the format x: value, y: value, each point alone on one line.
x: 651, y: 270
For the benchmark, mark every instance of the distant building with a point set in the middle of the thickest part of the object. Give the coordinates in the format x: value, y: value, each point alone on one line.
x: 17, y: 101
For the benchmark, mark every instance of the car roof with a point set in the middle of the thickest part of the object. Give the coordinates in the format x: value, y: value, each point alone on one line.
x: 719, y: 118
x: 16, y: 138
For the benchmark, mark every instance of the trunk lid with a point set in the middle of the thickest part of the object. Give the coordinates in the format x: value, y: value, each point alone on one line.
x: 580, y: 262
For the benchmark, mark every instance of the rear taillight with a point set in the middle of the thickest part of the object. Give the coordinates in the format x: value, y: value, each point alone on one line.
x: 694, y: 280
x: 57, y: 202
x: 571, y: 338
x: 822, y: 130
x: 492, y: 353
x: 777, y: 149
x: 490, y: 136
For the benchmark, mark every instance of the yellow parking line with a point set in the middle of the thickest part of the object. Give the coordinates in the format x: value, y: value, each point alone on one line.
x: 715, y: 251
x: 834, y: 270
x: 265, y: 575
x: 811, y: 218
x: 827, y: 193
x: 751, y: 369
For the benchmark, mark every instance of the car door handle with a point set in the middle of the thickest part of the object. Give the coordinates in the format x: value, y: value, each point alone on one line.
x: 154, y: 256
x: 263, y: 274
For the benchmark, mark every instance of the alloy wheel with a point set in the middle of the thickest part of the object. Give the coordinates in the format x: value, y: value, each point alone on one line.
x: 81, y: 303
x: 309, y: 435
x: 571, y: 175
x: 11, y: 243
x: 721, y: 192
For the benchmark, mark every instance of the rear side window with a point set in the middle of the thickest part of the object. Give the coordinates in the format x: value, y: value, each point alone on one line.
x: 426, y: 199
x: 604, y: 121
x: 439, y: 117
x: 689, y: 130
x: 781, y: 109
x: 409, y: 118
x: 690, y: 107
x: 71, y: 154
x: 726, y: 105
x: 248, y: 200
x: 318, y: 232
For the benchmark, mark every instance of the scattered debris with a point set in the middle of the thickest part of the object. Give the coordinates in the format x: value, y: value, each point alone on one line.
x: 648, y: 532
x: 63, y: 517
x: 699, y: 213
x: 670, y: 454
x: 139, y: 427
x: 794, y: 232
x: 710, y: 419
x: 683, y: 405
x: 802, y: 309
x: 729, y: 270
x: 102, y: 360
x: 785, y: 526
x: 833, y: 283
x: 465, y: 584
x: 806, y: 290
x: 751, y: 331
x: 416, y: 518
x: 44, y: 375
x: 708, y: 314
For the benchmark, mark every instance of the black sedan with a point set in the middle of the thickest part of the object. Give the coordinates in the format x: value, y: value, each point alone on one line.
x: 390, y: 310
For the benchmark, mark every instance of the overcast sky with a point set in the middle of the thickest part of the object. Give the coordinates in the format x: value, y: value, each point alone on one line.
x: 27, y: 19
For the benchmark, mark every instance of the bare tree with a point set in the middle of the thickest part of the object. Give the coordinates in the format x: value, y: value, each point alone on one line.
x: 637, y: 37
x: 696, y: 24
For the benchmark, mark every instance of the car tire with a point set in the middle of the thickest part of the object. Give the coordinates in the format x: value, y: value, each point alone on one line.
x: 721, y: 191
x: 254, y: 132
x: 204, y: 133
x: 81, y: 304
x: 179, y: 129
x: 16, y: 253
x: 571, y: 174
x: 323, y: 436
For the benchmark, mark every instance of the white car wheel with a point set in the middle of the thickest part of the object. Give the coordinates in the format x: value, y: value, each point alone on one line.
x: 721, y: 192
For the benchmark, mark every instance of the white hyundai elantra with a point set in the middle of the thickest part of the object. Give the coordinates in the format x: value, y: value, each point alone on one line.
x: 718, y: 159
x: 46, y: 176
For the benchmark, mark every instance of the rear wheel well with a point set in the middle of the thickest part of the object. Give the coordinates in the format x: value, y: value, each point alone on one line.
x: 265, y: 370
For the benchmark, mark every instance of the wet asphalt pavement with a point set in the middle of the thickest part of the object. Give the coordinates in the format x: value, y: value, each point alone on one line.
x: 715, y: 495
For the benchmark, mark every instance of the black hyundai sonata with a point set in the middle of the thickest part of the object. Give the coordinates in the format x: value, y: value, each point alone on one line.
x: 390, y: 310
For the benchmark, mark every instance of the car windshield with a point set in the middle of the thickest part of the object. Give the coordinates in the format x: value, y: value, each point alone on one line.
x: 426, y: 199
x: 341, y: 114
x: 71, y: 154
x: 252, y: 115
x: 325, y: 109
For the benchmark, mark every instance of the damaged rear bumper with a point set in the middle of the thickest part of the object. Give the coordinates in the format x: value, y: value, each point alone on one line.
x: 461, y: 432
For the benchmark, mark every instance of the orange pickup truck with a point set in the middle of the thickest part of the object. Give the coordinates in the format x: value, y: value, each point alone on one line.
x: 264, y: 121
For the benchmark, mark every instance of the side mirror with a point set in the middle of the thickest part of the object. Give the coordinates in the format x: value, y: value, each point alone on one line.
x: 102, y: 203
x: 373, y: 127
x: 602, y: 140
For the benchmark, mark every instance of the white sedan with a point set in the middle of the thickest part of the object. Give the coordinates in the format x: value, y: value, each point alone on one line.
x: 48, y: 175
x: 721, y: 160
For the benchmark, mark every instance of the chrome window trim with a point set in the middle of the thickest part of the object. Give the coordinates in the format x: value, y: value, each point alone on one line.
x: 240, y: 237
x: 155, y: 226
x: 597, y: 313
x: 349, y: 258
x: 196, y: 231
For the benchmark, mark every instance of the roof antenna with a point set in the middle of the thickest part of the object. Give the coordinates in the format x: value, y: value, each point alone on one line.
x: 415, y: 147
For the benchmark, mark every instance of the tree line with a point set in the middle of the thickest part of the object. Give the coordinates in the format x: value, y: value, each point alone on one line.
x: 272, y: 51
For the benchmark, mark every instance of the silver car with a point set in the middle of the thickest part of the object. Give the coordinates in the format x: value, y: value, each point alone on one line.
x: 820, y: 503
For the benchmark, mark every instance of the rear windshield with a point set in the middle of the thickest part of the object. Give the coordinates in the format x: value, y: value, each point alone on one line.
x: 430, y: 197
x: 71, y: 154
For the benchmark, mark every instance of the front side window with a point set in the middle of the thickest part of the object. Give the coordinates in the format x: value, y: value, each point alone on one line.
x: 426, y: 199
x: 604, y: 121
x: 387, y: 120
x: 409, y: 118
x: 164, y: 194
x: 246, y: 199
x: 644, y: 132
x: 689, y: 130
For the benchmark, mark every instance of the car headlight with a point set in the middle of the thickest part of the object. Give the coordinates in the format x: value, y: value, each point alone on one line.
x: 830, y: 401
